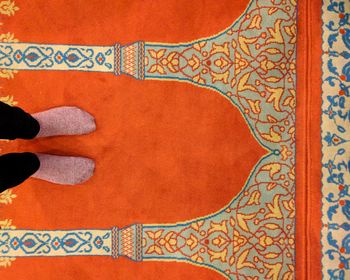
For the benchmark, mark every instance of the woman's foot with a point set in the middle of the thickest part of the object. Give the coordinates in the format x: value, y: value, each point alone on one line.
x: 64, y: 120
x: 64, y: 170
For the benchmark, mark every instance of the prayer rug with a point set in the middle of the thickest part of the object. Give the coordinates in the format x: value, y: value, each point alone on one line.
x: 221, y: 149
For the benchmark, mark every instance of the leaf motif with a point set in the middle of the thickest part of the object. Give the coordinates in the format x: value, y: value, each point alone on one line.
x: 256, y: 22
x: 254, y: 198
x: 255, y: 106
x: 273, y: 51
x: 199, y: 46
x: 273, y: 136
x: 271, y: 119
x: 6, y: 224
x: 152, y: 53
x: 276, y: 34
x: 8, y: 38
x: 271, y: 226
x: 154, y: 249
x: 154, y: 235
x: 275, y: 210
x: 245, y: 43
x: 197, y: 258
x: 274, y: 270
x: 7, y: 196
x: 271, y: 186
x: 196, y: 226
x: 273, y: 169
x: 220, y: 49
x: 7, y: 73
x: 217, y: 227
x: 275, y: 97
x: 220, y: 77
x: 272, y: 11
x: 6, y: 262
x: 242, y: 263
x: 218, y: 255
x: 271, y: 255
x: 153, y: 68
x: 241, y: 219
x: 194, y: 62
x: 243, y: 83
x: 8, y: 7
x: 273, y: 79
x: 160, y: 69
x: 289, y: 206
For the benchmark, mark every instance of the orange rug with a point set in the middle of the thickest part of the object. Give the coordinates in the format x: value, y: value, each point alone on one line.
x: 208, y: 144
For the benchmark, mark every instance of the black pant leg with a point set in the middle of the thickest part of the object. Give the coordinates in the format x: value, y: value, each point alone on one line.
x: 15, y: 168
x: 15, y: 123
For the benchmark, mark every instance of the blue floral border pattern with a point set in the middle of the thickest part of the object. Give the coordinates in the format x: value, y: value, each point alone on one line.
x: 336, y: 140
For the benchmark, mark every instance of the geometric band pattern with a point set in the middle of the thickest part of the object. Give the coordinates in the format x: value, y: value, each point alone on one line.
x: 89, y: 242
x: 116, y: 59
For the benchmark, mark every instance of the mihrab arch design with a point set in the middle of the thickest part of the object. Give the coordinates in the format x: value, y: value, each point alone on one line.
x: 252, y: 64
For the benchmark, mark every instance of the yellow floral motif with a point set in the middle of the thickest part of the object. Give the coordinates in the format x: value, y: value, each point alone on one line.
x: 197, y: 258
x: 199, y: 46
x: 273, y: 136
x: 255, y: 106
x: 154, y: 235
x: 274, y: 271
x: 220, y: 241
x: 197, y: 225
x: 285, y: 152
x: 254, y: 198
x: 220, y: 49
x: 240, y: 63
x: 221, y: 256
x: 275, y: 210
x: 290, y: 100
x: 6, y: 262
x: 242, y: 260
x: 8, y: 38
x: 194, y: 62
x: 290, y: 207
x: 221, y: 77
x: 7, y: 74
x: 275, y: 97
x: 192, y: 242
x: 157, y: 55
x: 6, y: 224
x: 276, y: 35
x: 155, y: 249
x: 256, y: 22
x: 6, y: 197
x: 243, y: 83
x: 8, y: 7
x: 215, y: 227
x: 242, y: 220
x: 169, y: 241
x: 245, y: 43
x: 289, y: 275
x: 238, y: 241
x: 292, y: 32
x: 8, y: 100
x: 273, y: 168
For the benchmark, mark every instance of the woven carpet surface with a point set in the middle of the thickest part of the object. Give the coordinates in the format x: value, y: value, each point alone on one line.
x: 221, y: 146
